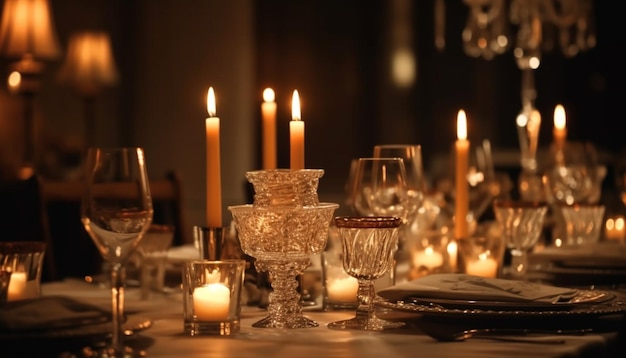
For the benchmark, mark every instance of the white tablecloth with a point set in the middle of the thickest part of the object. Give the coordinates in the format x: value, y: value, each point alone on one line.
x: 166, y: 337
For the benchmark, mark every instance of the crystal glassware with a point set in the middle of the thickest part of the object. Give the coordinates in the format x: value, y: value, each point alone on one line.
x: 283, y: 227
x: 116, y: 211
x: 368, y: 245
x: 522, y: 224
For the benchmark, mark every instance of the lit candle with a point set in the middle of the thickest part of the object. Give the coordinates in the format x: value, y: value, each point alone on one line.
x: 343, y: 289
x: 211, y: 302
x: 461, y: 196
x: 428, y: 258
x: 296, y: 134
x: 214, y: 191
x: 268, y: 110
x: 614, y: 228
x: 485, y: 266
x: 453, y: 249
x: 559, y: 131
x: 17, y: 286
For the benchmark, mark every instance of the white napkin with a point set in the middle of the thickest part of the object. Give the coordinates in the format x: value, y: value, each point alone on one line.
x: 47, y: 313
x: 467, y: 287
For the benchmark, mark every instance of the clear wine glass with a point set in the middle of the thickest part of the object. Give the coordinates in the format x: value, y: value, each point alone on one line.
x: 368, y: 253
x: 116, y: 211
x: 522, y: 225
x: 380, y: 188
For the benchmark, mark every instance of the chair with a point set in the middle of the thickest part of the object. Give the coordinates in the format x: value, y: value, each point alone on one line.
x: 71, y: 253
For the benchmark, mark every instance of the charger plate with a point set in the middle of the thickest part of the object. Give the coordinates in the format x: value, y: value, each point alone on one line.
x: 590, y: 303
x: 68, y: 338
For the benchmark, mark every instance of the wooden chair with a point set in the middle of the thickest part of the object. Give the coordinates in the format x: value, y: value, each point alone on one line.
x: 71, y: 252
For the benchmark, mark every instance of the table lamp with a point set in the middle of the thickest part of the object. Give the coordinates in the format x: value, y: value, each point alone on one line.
x: 27, y: 35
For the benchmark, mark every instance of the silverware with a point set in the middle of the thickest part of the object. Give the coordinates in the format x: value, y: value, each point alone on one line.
x: 450, y: 333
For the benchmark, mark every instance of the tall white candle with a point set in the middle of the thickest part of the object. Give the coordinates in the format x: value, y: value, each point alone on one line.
x: 268, y: 110
x: 461, y: 196
x: 560, y: 130
x: 213, y: 173
x: 211, y: 302
x: 296, y: 134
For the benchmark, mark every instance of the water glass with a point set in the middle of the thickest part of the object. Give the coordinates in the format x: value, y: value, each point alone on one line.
x: 212, y: 292
x: 583, y: 224
x: 20, y: 268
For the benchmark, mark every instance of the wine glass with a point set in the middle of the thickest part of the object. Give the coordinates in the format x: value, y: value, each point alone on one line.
x: 368, y: 253
x: 380, y: 188
x: 116, y: 211
x: 522, y: 225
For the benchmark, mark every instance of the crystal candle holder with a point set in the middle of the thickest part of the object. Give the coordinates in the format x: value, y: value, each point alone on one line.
x: 284, y: 226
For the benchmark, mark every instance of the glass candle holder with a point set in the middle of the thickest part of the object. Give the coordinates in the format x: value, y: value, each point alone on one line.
x: 212, y: 293
x: 583, y: 224
x: 20, y: 268
x: 433, y: 251
x: 482, y: 255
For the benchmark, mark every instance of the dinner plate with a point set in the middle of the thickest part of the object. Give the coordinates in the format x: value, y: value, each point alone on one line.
x: 597, y: 303
x: 68, y: 338
x: 584, y: 297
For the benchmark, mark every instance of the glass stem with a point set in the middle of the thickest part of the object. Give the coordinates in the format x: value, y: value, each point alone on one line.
x: 519, y: 263
x: 365, y: 294
x: 117, y: 306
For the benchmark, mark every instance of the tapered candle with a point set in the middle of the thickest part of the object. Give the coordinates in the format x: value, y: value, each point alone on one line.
x: 559, y: 131
x: 268, y: 110
x: 296, y: 134
x: 213, y: 175
x: 461, y: 197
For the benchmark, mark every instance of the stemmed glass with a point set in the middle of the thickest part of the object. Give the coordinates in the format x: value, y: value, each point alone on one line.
x: 116, y: 211
x: 522, y: 225
x: 368, y: 248
x: 380, y: 188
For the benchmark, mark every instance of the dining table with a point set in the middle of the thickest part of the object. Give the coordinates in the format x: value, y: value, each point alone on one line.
x: 157, y: 330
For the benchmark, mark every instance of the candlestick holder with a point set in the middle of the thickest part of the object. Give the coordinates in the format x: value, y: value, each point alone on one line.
x: 281, y: 229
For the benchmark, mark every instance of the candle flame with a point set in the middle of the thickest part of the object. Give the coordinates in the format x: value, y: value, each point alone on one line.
x: 268, y: 95
x: 210, y: 102
x: 521, y: 120
x: 295, y: 106
x: 461, y: 125
x: 559, y: 117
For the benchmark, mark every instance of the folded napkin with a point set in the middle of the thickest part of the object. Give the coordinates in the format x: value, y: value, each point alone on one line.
x: 468, y: 287
x: 47, y: 313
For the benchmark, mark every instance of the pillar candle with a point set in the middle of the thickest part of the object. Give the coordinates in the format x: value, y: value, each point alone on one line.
x: 268, y: 110
x: 461, y: 198
x: 560, y: 130
x: 211, y: 302
x: 213, y: 175
x: 296, y: 134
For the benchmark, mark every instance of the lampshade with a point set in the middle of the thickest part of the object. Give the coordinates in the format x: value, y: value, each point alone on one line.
x: 89, y: 64
x: 28, y: 30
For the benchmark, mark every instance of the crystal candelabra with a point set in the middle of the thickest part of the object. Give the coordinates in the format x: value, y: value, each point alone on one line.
x: 281, y: 229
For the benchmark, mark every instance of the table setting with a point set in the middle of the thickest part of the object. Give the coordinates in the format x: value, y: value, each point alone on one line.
x: 280, y: 232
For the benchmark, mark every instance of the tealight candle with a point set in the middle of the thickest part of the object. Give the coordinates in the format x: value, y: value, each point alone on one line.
x: 485, y: 267
x: 211, y: 302
x: 17, y: 287
x: 343, y: 289
x: 428, y: 258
